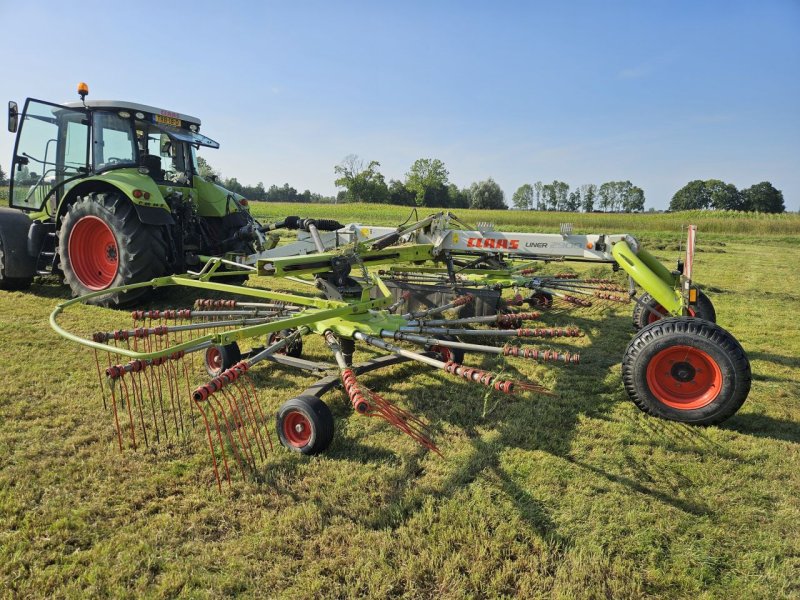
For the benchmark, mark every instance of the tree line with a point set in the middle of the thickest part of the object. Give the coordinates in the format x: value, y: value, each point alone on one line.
x: 611, y: 196
x: 718, y: 195
x: 426, y: 184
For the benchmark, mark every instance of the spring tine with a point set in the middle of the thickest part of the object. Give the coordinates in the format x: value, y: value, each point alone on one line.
x: 493, y: 380
x: 130, y: 412
x: 138, y: 398
x: 100, y: 378
x: 227, y: 423
x: 252, y: 418
x: 239, y: 426
x: 249, y: 383
x: 221, y: 443
x: 116, y: 416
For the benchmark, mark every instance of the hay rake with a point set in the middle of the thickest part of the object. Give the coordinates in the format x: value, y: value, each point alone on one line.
x: 682, y: 368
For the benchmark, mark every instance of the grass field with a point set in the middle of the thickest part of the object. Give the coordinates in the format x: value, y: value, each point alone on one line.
x: 575, y: 496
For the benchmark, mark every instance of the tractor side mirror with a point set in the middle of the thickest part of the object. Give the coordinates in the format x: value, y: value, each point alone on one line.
x: 13, y: 116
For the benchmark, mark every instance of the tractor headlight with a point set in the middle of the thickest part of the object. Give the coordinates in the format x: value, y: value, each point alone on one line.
x: 633, y: 243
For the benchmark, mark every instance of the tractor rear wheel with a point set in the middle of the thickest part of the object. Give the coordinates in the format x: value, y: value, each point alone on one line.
x: 688, y: 370
x: 305, y: 425
x: 642, y: 317
x: 103, y: 244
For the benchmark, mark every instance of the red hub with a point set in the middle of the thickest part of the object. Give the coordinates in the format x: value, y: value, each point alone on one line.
x: 214, y: 359
x: 297, y: 429
x: 684, y: 377
x: 93, y: 253
x: 443, y: 351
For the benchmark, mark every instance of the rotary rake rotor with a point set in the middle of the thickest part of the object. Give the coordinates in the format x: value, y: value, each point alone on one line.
x: 165, y: 373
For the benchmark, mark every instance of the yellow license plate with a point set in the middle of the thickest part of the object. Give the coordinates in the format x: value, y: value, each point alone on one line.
x: 168, y: 120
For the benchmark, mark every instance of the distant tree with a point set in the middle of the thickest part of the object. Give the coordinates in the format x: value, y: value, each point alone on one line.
x: 487, y: 194
x: 692, y: 196
x: 574, y: 201
x: 400, y: 194
x: 561, y: 190
x: 206, y: 171
x: 633, y: 199
x: 723, y: 196
x: 3, y: 176
x: 763, y: 197
x: 538, y: 191
x: 589, y: 192
x: 362, y: 184
x: 426, y: 174
x: 457, y: 198
x: 608, y: 196
x: 523, y: 197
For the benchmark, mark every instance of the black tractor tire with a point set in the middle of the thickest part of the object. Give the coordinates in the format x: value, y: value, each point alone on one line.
x: 293, y: 349
x: 688, y: 370
x: 103, y: 244
x: 305, y: 425
x: 219, y: 358
x: 16, y: 267
x: 642, y: 317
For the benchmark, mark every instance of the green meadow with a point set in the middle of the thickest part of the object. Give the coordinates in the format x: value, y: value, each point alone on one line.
x: 575, y: 495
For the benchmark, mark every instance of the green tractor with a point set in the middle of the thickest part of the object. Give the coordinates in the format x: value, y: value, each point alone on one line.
x: 108, y: 193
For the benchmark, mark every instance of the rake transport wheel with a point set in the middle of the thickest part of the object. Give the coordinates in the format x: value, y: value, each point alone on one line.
x: 295, y: 347
x: 642, y: 317
x: 219, y: 358
x: 686, y: 369
x: 102, y: 244
x: 446, y: 353
x: 305, y: 425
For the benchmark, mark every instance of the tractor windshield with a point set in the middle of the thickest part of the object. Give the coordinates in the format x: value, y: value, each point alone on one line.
x: 168, y: 158
x: 113, y: 142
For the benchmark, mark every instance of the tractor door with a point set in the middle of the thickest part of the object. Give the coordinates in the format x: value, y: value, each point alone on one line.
x: 52, y: 147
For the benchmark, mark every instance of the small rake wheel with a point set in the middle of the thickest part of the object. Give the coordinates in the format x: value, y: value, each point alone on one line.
x: 540, y: 299
x: 447, y: 354
x: 642, y: 317
x: 219, y: 358
x: 305, y: 425
x: 688, y: 370
x: 293, y: 349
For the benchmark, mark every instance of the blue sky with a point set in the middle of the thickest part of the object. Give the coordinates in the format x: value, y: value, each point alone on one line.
x: 657, y: 92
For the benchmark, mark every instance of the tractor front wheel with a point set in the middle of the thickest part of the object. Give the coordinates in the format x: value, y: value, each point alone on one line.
x: 644, y: 316
x: 305, y: 425
x: 103, y: 244
x: 688, y: 370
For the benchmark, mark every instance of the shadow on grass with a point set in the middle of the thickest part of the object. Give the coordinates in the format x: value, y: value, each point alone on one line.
x: 764, y: 427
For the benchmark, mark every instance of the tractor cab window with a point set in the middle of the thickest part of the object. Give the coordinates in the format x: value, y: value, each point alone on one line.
x: 52, y: 147
x: 168, y: 159
x: 114, y: 144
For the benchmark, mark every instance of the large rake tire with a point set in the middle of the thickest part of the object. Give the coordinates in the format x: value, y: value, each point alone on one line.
x: 688, y: 370
x: 103, y: 244
x: 642, y: 317
x: 305, y: 425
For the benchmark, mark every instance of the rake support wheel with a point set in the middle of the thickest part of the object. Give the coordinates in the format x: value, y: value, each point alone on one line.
x: 703, y: 309
x: 686, y: 369
x: 103, y: 244
x: 219, y: 358
x: 305, y: 425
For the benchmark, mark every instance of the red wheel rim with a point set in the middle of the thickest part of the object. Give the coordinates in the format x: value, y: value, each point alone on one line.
x: 93, y: 253
x: 214, y: 359
x: 684, y: 377
x: 276, y: 337
x: 443, y: 351
x: 296, y: 429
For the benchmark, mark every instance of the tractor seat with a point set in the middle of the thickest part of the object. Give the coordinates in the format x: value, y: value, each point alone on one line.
x: 153, y: 164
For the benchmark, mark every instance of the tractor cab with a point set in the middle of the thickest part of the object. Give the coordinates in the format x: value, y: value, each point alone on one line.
x: 58, y: 145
